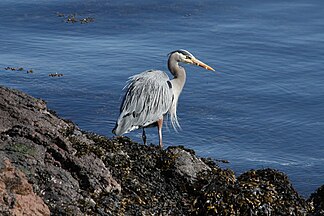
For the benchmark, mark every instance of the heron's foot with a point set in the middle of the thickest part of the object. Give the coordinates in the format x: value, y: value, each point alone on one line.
x: 144, y: 137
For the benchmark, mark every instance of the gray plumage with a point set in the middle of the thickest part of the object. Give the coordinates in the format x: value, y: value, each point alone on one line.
x: 140, y: 107
x: 151, y: 95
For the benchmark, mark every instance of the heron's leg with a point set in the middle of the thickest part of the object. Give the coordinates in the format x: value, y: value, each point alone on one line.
x: 144, y: 136
x: 160, y: 124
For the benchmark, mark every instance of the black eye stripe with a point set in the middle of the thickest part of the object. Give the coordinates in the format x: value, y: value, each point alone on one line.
x: 183, y: 52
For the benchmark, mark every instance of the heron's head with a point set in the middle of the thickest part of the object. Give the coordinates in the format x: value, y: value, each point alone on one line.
x: 186, y: 57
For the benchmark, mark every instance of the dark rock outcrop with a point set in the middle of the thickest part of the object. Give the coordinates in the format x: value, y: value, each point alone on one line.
x: 79, y: 173
x: 36, y: 141
x: 317, y: 200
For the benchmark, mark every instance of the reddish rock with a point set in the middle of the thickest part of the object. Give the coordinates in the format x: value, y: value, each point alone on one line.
x: 16, y: 194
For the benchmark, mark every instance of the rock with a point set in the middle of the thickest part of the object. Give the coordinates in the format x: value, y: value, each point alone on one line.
x: 16, y: 194
x: 317, y: 200
x: 80, y: 173
x: 39, y: 144
x: 256, y: 192
x: 185, y: 163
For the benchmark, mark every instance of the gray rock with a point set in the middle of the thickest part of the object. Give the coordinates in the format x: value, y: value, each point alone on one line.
x: 37, y: 142
x: 186, y: 164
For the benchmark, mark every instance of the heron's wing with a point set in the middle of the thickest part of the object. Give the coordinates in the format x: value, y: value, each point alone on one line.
x: 148, y: 97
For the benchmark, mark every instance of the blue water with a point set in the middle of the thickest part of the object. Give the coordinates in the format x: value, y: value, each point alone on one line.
x: 263, y: 108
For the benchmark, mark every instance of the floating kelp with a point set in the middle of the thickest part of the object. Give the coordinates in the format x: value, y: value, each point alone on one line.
x: 14, y: 68
x: 18, y: 69
x: 55, y: 74
x: 73, y: 18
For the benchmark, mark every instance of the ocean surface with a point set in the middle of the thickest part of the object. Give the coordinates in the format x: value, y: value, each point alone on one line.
x: 264, y: 106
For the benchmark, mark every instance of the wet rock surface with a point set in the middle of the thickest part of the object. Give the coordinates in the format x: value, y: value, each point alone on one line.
x: 80, y: 173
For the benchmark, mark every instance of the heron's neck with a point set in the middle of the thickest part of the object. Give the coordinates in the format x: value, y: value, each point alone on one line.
x: 179, y: 74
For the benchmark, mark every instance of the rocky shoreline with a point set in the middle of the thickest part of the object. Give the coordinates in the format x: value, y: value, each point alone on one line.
x: 49, y: 166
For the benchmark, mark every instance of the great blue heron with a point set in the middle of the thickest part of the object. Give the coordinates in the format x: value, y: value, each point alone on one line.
x: 151, y: 95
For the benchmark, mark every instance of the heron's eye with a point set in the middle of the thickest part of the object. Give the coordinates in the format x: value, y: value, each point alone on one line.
x: 188, y: 57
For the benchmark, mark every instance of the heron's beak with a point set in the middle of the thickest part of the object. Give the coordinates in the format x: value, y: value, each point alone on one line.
x: 201, y: 64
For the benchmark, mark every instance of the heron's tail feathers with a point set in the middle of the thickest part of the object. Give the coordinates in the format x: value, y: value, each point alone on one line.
x: 114, y: 130
x: 124, y: 125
